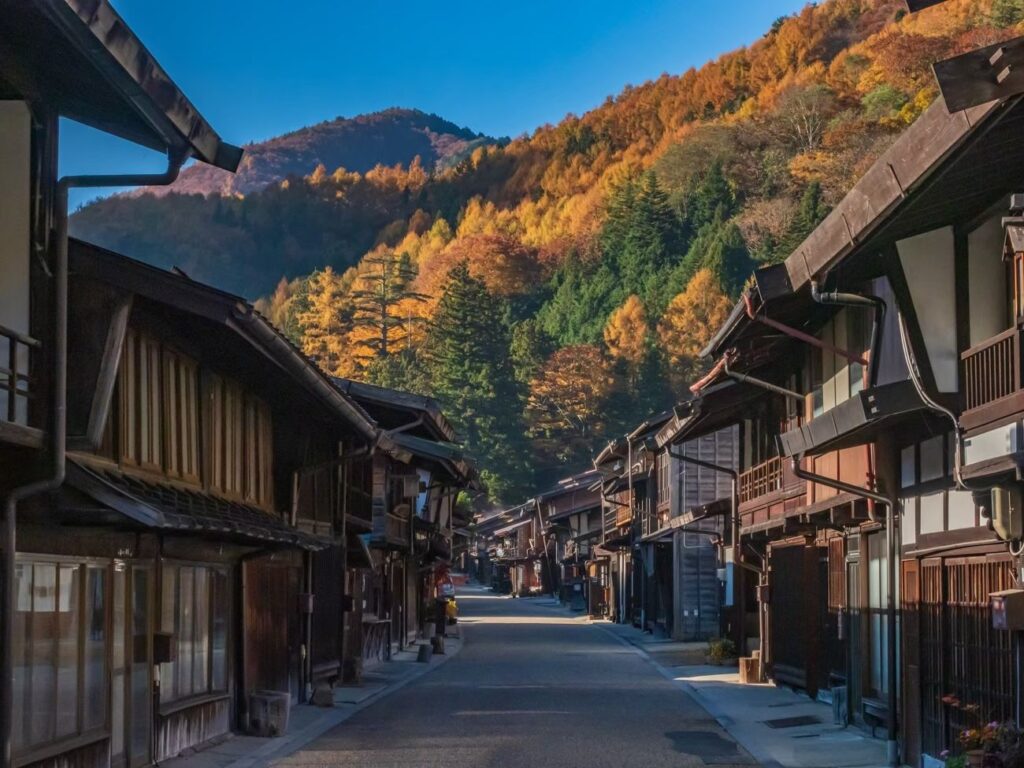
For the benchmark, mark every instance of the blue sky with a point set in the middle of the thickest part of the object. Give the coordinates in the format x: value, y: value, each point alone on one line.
x: 257, y: 68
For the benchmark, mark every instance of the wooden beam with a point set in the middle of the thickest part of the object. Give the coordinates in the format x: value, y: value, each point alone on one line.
x: 107, y: 378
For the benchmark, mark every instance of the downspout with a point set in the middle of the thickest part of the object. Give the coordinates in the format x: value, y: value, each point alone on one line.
x: 797, y: 334
x: 58, y: 423
x: 838, y: 299
x: 891, y: 504
x: 544, y: 541
x: 835, y: 298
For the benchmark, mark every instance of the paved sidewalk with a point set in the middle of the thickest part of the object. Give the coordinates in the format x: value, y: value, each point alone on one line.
x: 307, y: 723
x: 745, y: 710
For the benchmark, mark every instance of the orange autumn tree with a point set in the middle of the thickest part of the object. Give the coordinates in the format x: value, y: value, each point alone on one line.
x: 386, y: 318
x: 565, y: 408
x: 326, y: 321
x: 626, y: 336
x: 689, y: 322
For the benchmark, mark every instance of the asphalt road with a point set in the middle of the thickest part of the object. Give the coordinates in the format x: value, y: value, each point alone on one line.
x: 531, y: 687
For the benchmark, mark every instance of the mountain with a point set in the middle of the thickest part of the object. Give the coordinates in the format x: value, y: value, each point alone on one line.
x: 389, y: 137
x: 590, y: 260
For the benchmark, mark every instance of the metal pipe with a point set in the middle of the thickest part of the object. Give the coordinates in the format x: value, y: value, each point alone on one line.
x: 709, y: 377
x: 799, y: 335
x: 930, y: 402
x: 835, y: 298
x: 891, y: 504
x: 58, y: 421
x: 745, y: 379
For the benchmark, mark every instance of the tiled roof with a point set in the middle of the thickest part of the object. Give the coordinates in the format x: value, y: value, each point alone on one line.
x: 173, y: 508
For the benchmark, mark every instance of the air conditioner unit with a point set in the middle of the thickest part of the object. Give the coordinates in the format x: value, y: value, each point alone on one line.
x: 1008, y: 512
x: 268, y: 713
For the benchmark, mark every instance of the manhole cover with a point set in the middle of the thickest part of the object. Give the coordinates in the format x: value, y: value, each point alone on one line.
x: 793, y: 722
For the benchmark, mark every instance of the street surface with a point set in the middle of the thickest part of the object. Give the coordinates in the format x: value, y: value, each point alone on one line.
x: 531, y: 687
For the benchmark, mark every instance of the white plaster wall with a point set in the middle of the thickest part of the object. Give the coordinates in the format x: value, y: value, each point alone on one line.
x: 989, y: 316
x: 928, y: 264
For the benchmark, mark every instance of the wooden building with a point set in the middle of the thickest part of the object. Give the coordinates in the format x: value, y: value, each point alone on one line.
x: 400, y: 516
x: 571, y: 511
x: 683, y: 536
x: 876, y: 378
x: 185, y: 532
x: 629, y: 500
x: 64, y: 644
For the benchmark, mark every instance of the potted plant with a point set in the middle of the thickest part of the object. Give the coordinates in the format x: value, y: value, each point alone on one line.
x: 721, y: 651
x: 977, y: 740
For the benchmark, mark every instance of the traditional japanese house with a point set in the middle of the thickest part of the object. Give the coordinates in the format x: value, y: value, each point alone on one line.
x: 629, y: 496
x: 682, y: 537
x: 77, y: 60
x: 400, y: 519
x: 571, y: 511
x: 894, y: 328
x: 807, y: 358
x: 933, y: 224
x: 515, y: 549
x: 178, y: 553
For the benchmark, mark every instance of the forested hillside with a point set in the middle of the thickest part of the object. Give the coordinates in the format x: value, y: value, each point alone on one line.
x: 393, y: 136
x: 555, y: 290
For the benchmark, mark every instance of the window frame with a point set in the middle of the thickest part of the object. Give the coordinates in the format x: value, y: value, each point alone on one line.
x: 170, y: 671
x: 28, y: 751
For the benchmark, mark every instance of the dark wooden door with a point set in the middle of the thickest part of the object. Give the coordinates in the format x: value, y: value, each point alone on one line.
x: 795, y: 616
x: 272, y: 637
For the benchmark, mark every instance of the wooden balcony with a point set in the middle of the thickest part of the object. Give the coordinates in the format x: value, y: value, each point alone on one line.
x: 17, y: 389
x: 769, y: 492
x: 991, y: 380
x: 390, y: 531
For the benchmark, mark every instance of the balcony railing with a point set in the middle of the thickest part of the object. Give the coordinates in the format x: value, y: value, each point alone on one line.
x: 389, y: 531
x: 992, y: 369
x: 16, y: 382
x: 762, y: 480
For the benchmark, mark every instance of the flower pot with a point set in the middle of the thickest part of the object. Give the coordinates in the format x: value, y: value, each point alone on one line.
x: 975, y: 758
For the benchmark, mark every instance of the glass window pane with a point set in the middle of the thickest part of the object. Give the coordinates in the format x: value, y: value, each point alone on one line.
x: 168, y: 617
x: 117, y: 678
x: 95, y: 713
x: 186, y: 597
x: 22, y: 648
x: 219, y: 639
x: 67, y: 620
x: 43, y: 654
x: 933, y: 459
x: 200, y: 669
x: 908, y: 470
x: 140, y: 693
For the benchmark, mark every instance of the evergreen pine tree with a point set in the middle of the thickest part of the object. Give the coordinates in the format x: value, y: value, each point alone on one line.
x: 471, y: 373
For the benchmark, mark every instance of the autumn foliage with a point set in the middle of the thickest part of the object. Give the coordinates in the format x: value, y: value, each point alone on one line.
x: 608, y: 247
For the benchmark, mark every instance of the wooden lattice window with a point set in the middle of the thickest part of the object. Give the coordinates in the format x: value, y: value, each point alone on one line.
x: 141, y: 441
x: 240, y: 443
x: 181, y: 401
